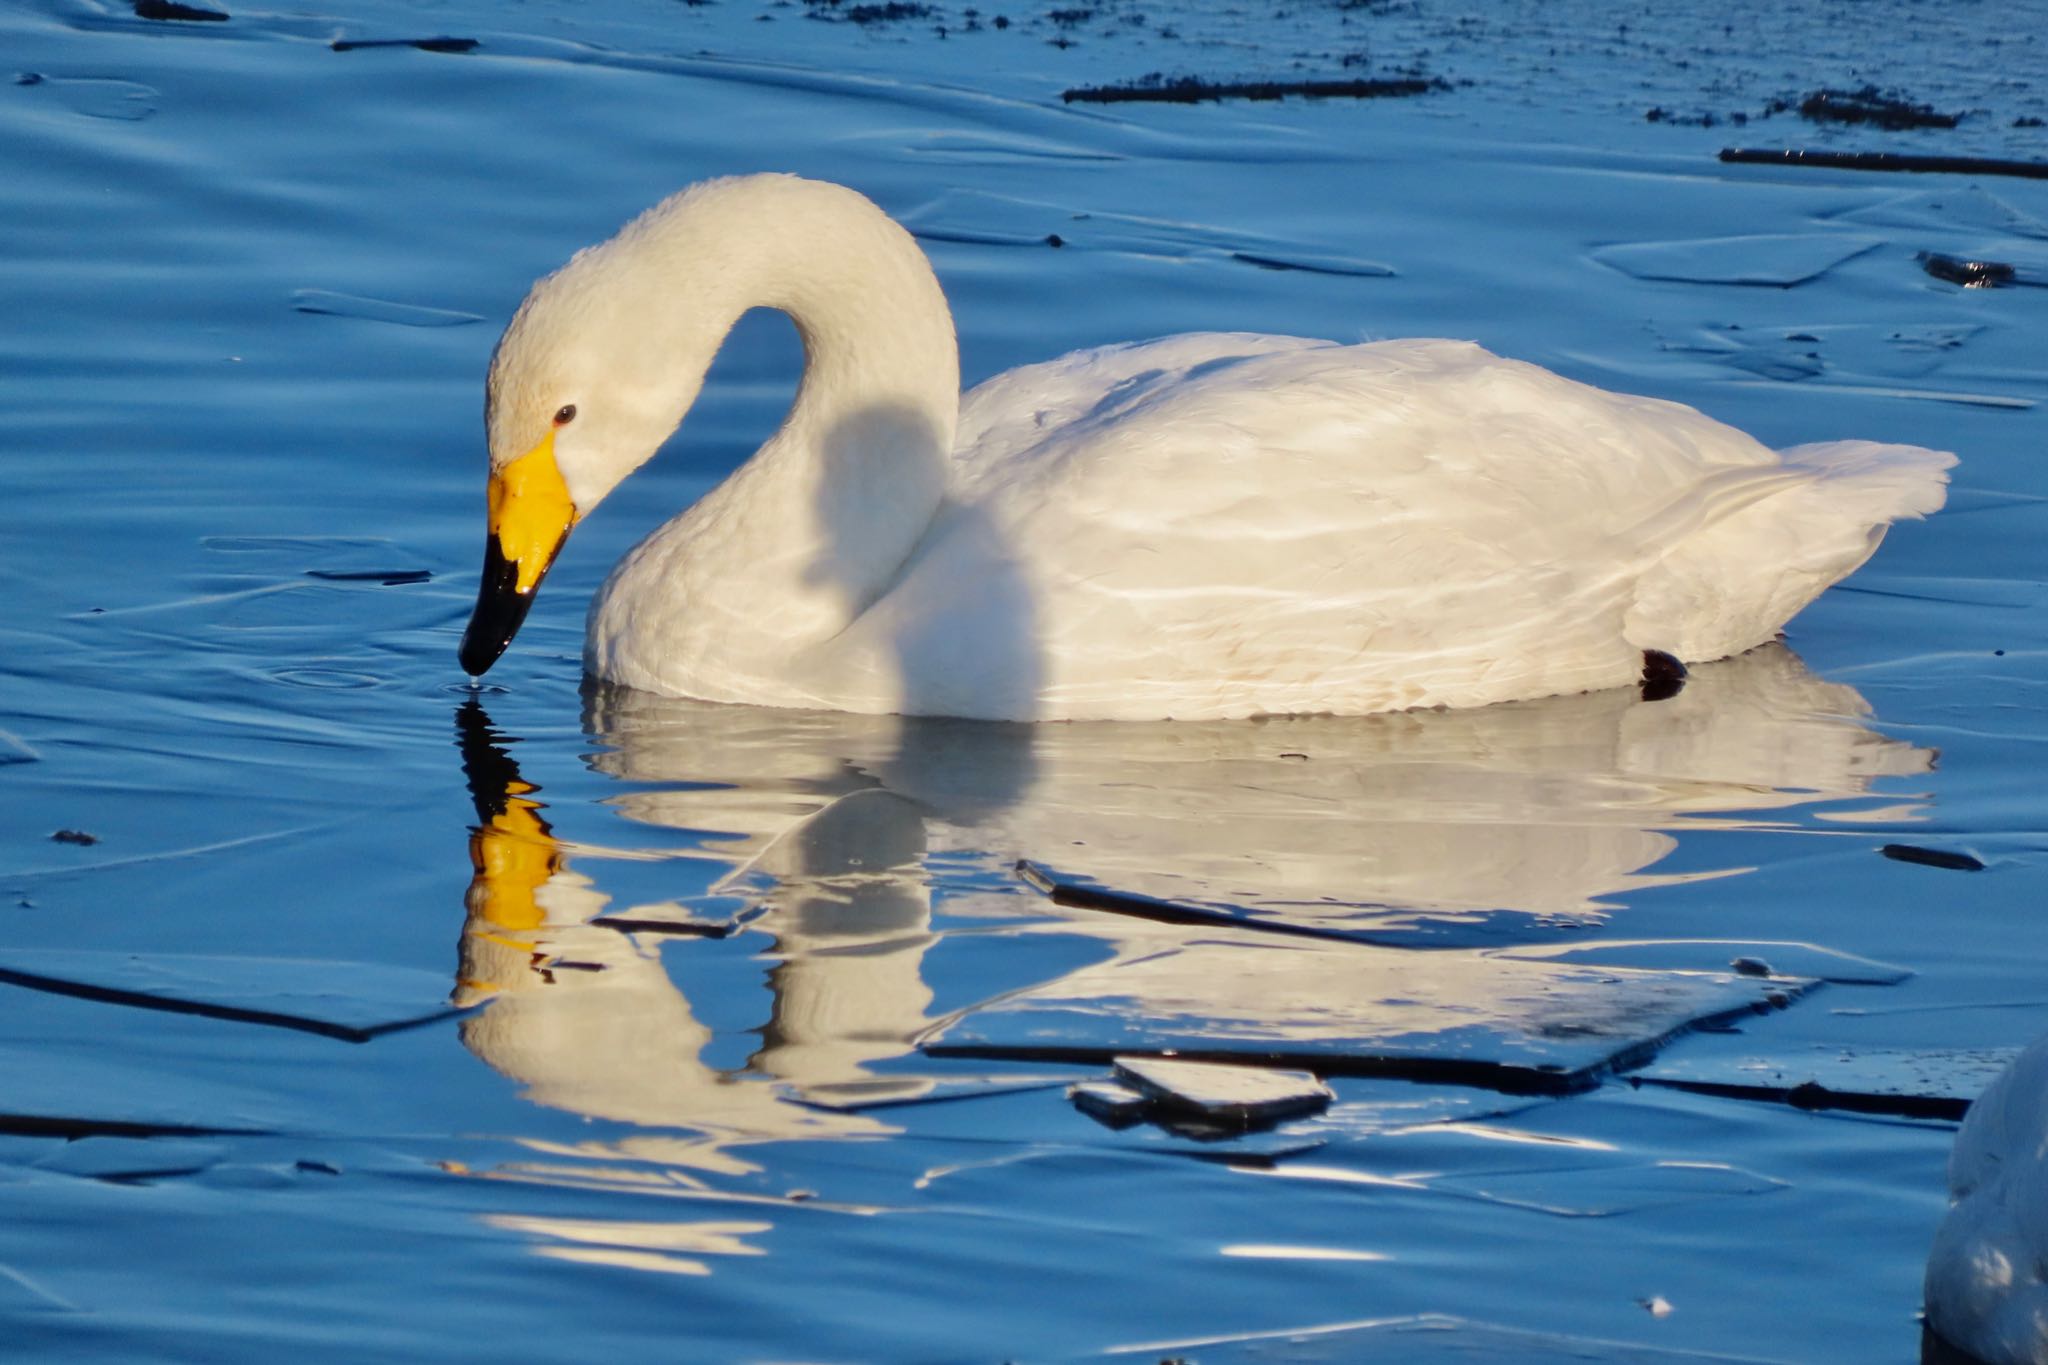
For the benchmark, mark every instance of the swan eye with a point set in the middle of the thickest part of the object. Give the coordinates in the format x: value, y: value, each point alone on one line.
x: 565, y: 414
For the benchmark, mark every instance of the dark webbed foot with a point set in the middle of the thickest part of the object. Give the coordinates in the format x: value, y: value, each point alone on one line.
x: 1663, y: 675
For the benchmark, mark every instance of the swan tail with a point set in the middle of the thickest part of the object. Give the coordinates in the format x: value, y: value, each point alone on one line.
x: 1873, y: 481
x: 1733, y: 583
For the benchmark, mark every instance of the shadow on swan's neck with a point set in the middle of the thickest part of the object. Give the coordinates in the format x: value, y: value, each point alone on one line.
x: 818, y: 523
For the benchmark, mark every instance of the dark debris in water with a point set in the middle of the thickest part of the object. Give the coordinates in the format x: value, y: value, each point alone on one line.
x: 1886, y: 109
x: 866, y: 15
x: 1933, y: 857
x: 390, y: 578
x: 1082, y: 894
x: 1885, y: 161
x: 1159, y: 89
x: 74, y: 1127
x: 423, y: 44
x: 1969, y: 274
x: 333, y: 304
x: 1812, y: 1095
x: 74, y: 836
x: 173, y: 11
x: 1881, y: 109
x: 1313, y: 265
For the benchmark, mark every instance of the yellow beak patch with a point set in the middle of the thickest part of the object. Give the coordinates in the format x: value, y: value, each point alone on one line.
x: 531, y: 512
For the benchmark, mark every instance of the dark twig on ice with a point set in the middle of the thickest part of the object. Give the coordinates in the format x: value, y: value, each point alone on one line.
x: 1886, y: 161
x: 1192, y: 90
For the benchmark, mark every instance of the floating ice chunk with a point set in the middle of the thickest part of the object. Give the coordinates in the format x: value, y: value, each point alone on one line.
x: 1445, y: 1015
x: 1780, y: 259
x: 1109, y: 1101
x: 1223, y: 1092
x: 1713, y: 954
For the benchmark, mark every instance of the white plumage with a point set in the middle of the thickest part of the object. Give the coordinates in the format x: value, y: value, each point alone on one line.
x: 1204, y: 526
x: 1987, y: 1277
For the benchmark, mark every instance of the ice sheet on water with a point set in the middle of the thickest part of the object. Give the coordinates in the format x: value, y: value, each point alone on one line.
x: 1714, y: 955
x: 1367, y: 1105
x: 983, y: 218
x: 133, y: 1159
x: 1451, y: 1014
x: 1607, y: 1191
x: 1779, y: 259
x: 351, y: 1001
x: 76, y: 1091
x: 1947, y: 210
x: 1423, y: 1339
x: 1843, y: 1070
x: 94, y: 96
x: 1867, y: 351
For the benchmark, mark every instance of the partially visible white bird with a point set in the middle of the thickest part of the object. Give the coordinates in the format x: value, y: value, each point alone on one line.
x: 1210, y: 525
x: 1987, y: 1277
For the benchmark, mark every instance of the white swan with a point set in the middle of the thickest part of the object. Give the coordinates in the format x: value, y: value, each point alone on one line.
x: 1987, y: 1277
x: 1203, y: 526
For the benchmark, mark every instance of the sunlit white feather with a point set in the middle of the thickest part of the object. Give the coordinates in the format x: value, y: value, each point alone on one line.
x: 1209, y: 525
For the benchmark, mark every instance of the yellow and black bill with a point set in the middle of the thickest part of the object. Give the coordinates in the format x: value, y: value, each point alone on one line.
x: 531, y: 513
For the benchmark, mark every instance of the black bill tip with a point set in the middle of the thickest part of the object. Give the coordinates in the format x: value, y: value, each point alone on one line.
x: 500, y: 608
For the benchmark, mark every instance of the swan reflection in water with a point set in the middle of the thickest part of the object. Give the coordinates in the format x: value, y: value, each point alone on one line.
x: 1493, y: 821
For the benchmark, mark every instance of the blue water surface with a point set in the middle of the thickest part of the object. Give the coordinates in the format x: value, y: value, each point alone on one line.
x: 352, y: 1013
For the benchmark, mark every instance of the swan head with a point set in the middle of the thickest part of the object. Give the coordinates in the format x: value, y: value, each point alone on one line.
x: 585, y: 385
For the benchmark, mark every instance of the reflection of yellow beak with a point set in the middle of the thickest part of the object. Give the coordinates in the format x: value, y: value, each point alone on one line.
x: 530, y: 516
x: 513, y: 855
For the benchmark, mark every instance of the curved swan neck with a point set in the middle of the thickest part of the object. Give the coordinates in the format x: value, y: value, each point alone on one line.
x: 656, y: 302
x: 812, y: 529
